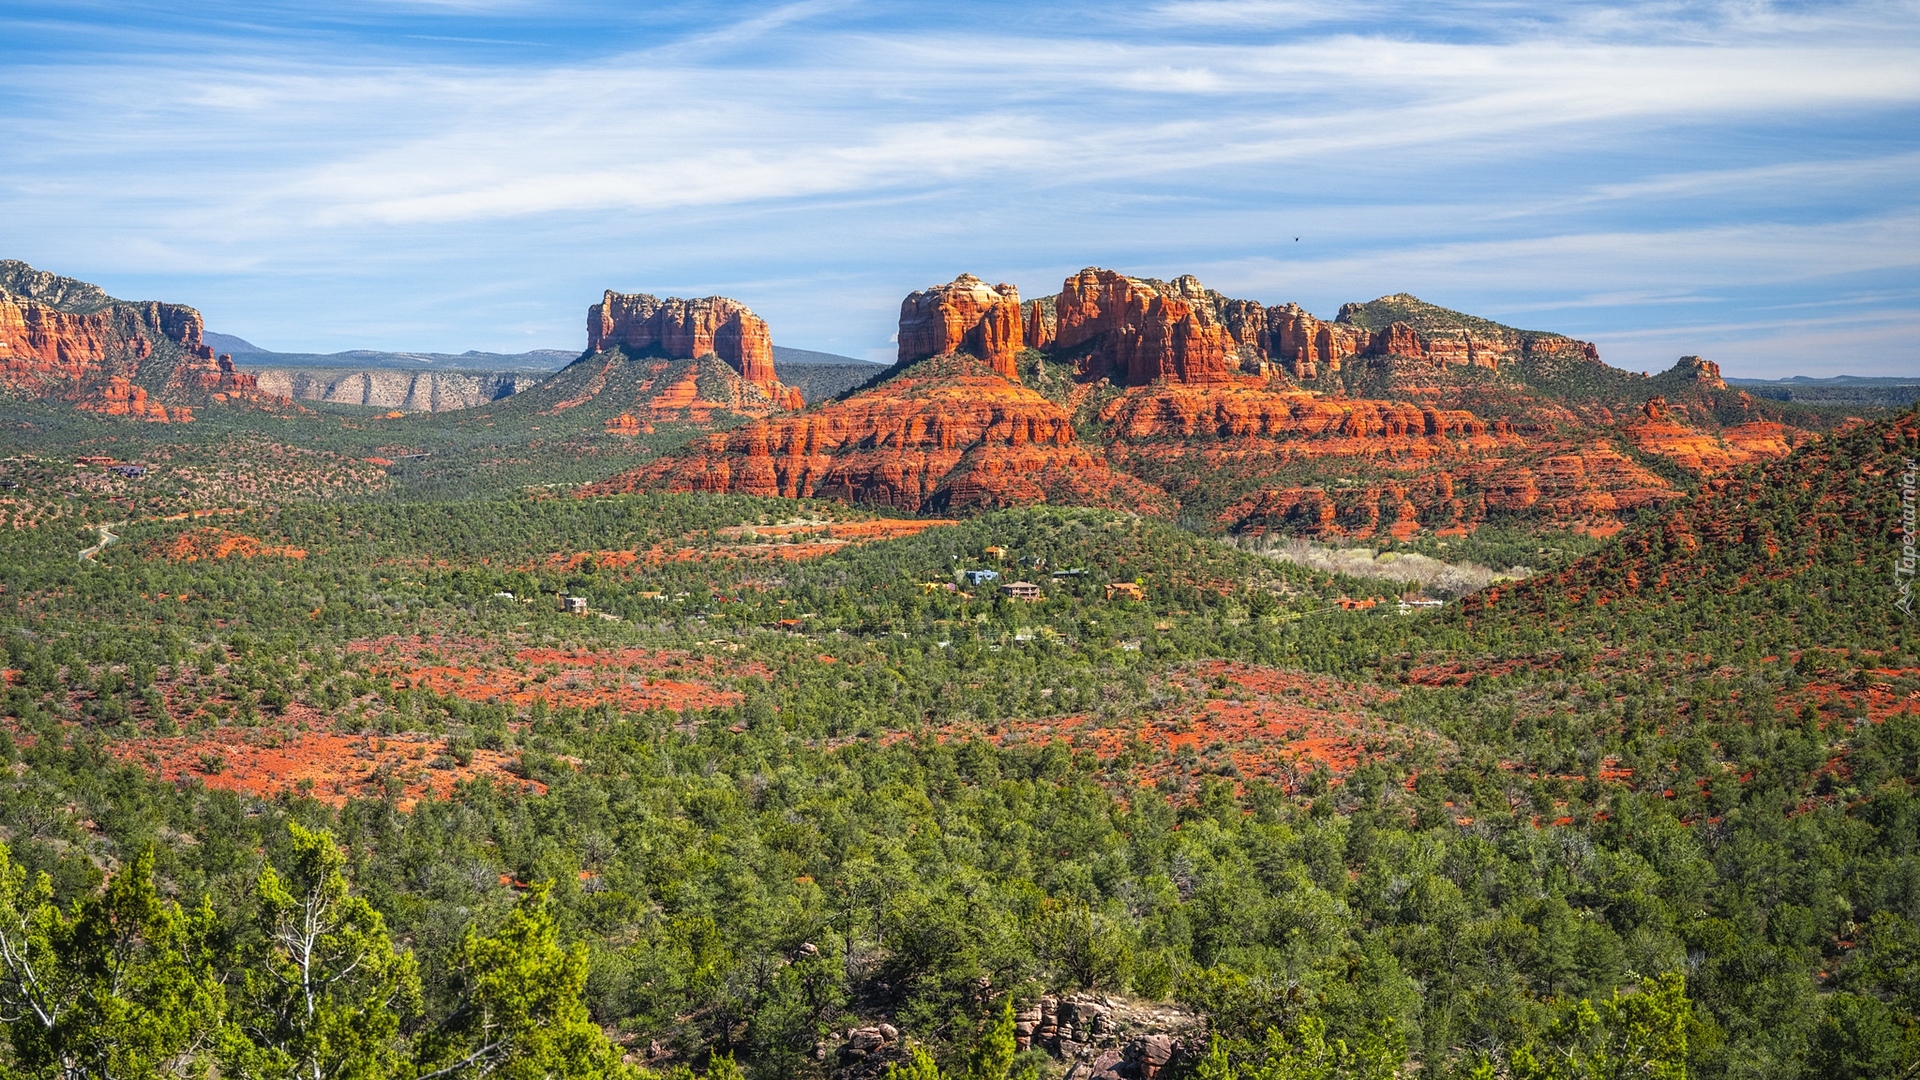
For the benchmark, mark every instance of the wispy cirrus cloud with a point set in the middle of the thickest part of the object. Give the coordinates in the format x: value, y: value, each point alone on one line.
x: 1700, y: 158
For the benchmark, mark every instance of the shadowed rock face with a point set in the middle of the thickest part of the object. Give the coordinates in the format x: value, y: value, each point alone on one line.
x: 965, y: 315
x: 685, y: 330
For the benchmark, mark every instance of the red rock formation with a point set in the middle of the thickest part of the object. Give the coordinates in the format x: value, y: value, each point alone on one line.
x: 68, y: 338
x: 1462, y: 347
x: 1307, y: 346
x: 1042, y: 325
x: 1668, y: 430
x: 1398, y: 339
x: 122, y: 398
x: 1143, y: 330
x: 966, y: 315
x: 687, y: 329
x: 949, y: 433
x: 1704, y: 372
x: 42, y: 346
x: 658, y: 390
x: 214, y: 377
x: 1244, y: 412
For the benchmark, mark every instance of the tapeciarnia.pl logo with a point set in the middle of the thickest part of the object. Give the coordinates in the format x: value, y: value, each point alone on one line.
x: 1903, y: 570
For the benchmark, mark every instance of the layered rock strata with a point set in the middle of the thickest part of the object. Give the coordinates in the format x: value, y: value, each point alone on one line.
x: 949, y: 433
x: 1137, y: 330
x: 145, y: 359
x: 409, y: 391
x: 965, y: 315
x: 686, y: 330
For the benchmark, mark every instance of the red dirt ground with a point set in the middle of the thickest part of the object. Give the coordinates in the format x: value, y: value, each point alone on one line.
x: 1264, y: 722
x: 788, y: 542
x: 308, y: 751
x: 212, y: 543
x: 328, y: 765
x: 632, y: 679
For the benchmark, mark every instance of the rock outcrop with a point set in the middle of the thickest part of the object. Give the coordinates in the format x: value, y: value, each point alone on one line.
x: 1096, y: 1037
x: 1397, y: 418
x: 65, y: 338
x: 1137, y: 330
x: 687, y: 330
x: 408, y: 391
x: 1704, y: 372
x: 702, y: 391
x: 1669, y: 431
x: 965, y: 315
x: 122, y: 398
x: 948, y: 433
x: 1043, y: 323
x: 1308, y: 347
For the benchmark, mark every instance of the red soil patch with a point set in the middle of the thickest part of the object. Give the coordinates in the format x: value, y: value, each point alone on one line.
x: 844, y: 531
x: 1262, y: 722
x: 212, y: 543
x: 632, y: 680
x: 330, y: 766
x: 1883, y: 695
x: 788, y: 542
x: 1462, y: 672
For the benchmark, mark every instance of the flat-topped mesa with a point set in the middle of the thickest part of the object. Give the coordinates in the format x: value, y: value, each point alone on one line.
x: 686, y: 330
x: 42, y: 339
x: 964, y: 315
x: 1144, y: 330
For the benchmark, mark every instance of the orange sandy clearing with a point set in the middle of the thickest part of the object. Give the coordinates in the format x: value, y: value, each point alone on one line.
x: 843, y: 531
x: 1877, y: 700
x: 212, y: 543
x: 330, y: 766
x: 791, y: 542
x: 1264, y: 722
x: 633, y: 680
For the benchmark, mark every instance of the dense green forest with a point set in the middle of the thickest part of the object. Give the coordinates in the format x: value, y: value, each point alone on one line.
x: 1649, y: 813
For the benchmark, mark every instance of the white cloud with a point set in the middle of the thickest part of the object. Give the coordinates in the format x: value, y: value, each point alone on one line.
x: 1591, y: 157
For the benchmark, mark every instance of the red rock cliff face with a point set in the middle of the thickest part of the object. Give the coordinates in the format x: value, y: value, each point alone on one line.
x: 686, y: 330
x: 1042, y: 325
x: 1309, y: 347
x: 950, y: 433
x: 965, y: 315
x: 1143, y: 330
x: 42, y: 346
x: 70, y: 339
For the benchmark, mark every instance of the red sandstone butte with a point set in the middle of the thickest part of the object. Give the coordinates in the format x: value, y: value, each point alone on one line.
x: 686, y: 330
x: 965, y: 315
x: 70, y: 339
x: 1141, y: 330
x: 948, y: 433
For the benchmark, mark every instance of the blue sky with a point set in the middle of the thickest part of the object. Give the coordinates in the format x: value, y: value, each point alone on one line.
x: 1738, y: 180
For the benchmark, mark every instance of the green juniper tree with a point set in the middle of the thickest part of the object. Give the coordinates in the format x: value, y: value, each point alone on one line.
x: 125, y: 985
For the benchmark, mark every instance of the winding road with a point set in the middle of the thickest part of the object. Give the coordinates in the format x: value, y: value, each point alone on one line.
x: 107, y: 536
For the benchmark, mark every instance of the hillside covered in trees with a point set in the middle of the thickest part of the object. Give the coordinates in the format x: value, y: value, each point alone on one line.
x: 313, y: 786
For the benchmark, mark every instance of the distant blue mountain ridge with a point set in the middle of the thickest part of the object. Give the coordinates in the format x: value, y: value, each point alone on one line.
x: 250, y: 355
